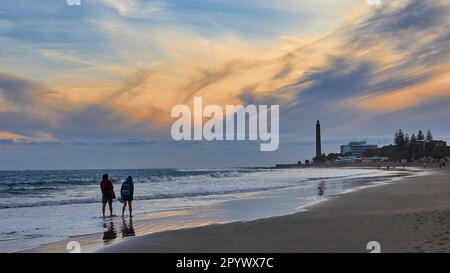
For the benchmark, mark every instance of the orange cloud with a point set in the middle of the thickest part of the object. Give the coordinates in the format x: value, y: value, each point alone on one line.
x: 6, y: 135
x: 433, y: 88
x: 37, y: 137
x: 220, y: 72
x: 221, y: 69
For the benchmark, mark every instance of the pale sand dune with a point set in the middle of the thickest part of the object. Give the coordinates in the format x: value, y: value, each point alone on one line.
x: 409, y: 216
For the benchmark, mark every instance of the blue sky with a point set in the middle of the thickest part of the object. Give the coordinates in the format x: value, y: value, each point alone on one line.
x: 92, y: 86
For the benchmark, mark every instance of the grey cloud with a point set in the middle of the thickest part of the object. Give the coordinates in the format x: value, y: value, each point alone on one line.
x: 21, y: 91
x: 405, y: 29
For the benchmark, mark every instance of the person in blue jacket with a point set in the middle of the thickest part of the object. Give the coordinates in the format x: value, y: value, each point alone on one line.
x: 127, y: 193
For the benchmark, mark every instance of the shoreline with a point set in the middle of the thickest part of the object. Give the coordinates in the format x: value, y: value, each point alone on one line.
x: 411, y: 215
x: 243, y: 208
x: 361, y: 165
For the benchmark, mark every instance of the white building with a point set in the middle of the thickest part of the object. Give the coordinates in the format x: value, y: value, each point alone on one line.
x: 357, y: 148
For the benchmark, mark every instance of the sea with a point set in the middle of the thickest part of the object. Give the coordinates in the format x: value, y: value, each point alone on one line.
x: 38, y: 208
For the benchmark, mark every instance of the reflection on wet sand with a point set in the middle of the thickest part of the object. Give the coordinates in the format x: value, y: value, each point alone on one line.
x: 127, y: 228
x: 321, y: 188
x: 110, y: 233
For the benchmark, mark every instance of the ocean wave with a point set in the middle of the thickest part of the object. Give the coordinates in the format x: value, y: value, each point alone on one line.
x: 78, y: 201
x: 225, y: 174
x: 168, y: 178
x: 153, y: 179
x: 151, y: 176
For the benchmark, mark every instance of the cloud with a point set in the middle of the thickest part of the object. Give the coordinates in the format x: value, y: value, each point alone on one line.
x: 64, y: 57
x: 115, y: 78
x: 417, y: 32
x: 361, y: 61
x: 37, y: 113
x: 11, y: 136
x: 381, y: 62
x: 7, y: 138
x: 21, y: 92
x: 28, y: 108
x: 431, y: 89
x: 135, y: 8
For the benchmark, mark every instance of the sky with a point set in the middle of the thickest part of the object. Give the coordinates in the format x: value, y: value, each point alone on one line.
x: 92, y: 86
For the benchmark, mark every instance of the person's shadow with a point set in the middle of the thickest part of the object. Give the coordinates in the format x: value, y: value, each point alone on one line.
x: 127, y: 228
x: 110, y: 233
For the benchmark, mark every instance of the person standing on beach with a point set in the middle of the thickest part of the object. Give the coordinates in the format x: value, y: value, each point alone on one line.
x: 127, y: 194
x: 108, y: 194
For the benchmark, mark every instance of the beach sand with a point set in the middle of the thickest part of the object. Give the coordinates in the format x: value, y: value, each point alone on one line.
x: 412, y: 215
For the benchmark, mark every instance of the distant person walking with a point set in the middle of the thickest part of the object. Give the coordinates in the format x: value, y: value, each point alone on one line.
x: 127, y: 194
x: 108, y: 194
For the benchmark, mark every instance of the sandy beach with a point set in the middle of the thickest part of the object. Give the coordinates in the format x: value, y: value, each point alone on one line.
x: 412, y: 215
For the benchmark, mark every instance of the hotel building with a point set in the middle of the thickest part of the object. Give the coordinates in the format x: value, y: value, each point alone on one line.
x: 357, y: 148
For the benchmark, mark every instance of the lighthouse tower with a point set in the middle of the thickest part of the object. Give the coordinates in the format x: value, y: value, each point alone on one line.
x: 318, y: 140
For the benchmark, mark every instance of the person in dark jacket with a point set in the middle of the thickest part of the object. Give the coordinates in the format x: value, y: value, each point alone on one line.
x: 127, y: 194
x: 108, y: 194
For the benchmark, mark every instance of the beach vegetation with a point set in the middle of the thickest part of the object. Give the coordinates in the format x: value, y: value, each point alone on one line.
x: 418, y: 147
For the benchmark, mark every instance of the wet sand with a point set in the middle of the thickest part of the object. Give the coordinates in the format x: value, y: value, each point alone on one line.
x: 412, y: 215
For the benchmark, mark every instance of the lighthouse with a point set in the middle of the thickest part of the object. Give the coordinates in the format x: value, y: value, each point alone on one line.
x: 318, y: 140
